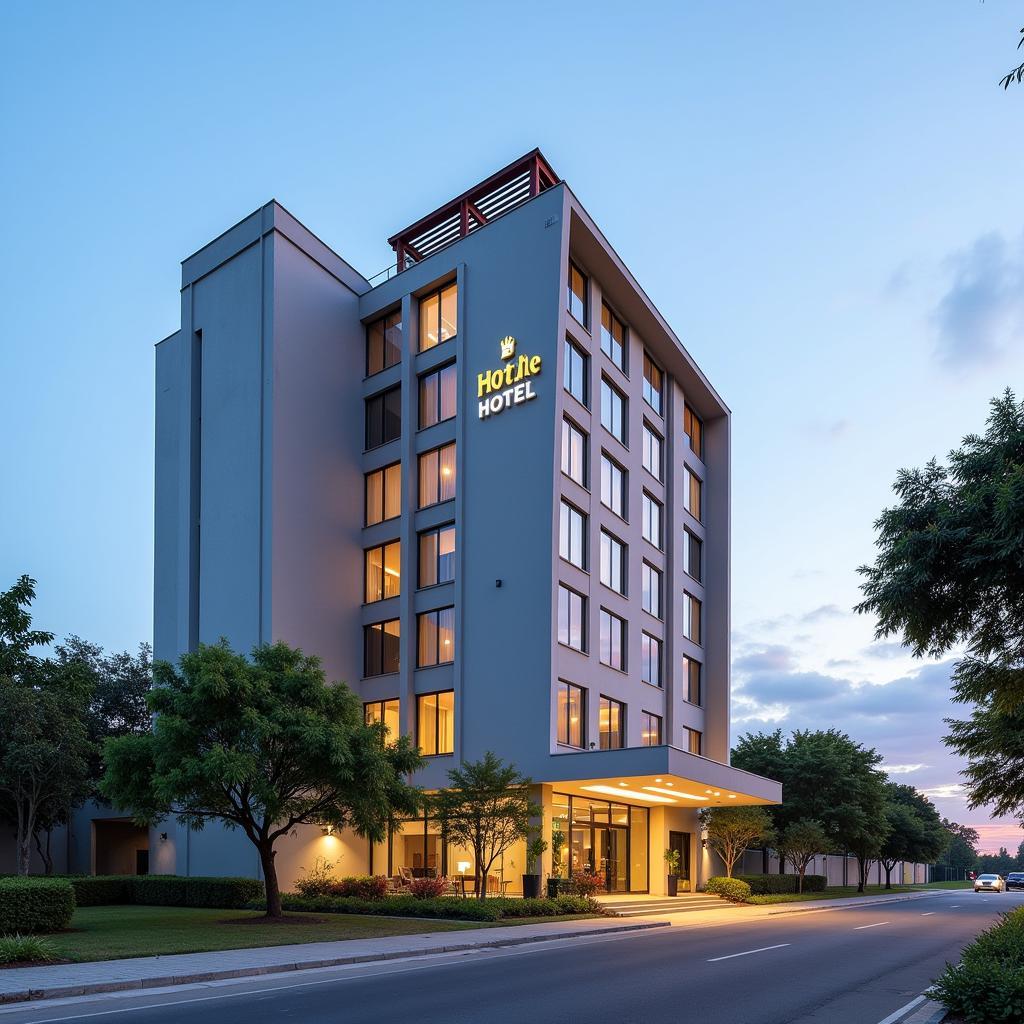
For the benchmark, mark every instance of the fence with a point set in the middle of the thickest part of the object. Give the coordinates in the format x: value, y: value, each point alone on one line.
x: 839, y: 870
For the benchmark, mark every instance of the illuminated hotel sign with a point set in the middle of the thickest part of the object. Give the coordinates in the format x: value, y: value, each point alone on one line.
x: 509, y: 384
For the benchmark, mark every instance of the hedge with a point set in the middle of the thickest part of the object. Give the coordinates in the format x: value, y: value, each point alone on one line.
x: 988, y: 983
x: 30, y: 905
x: 734, y: 889
x: 453, y: 907
x: 764, y: 885
x: 166, y: 891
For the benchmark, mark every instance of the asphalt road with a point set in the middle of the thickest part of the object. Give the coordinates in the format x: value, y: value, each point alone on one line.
x: 854, y: 966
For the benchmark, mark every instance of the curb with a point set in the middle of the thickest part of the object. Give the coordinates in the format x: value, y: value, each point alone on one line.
x: 99, y: 987
x: 871, y: 902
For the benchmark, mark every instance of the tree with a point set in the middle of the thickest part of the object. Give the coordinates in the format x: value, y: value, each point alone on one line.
x: 1018, y: 861
x: 961, y: 853
x: 800, y: 843
x: 732, y: 831
x: 486, y: 808
x: 261, y: 745
x: 949, y: 572
x: 1017, y: 74
x: 916, y: 832
x: 17, y: 637
x: 996, y: 863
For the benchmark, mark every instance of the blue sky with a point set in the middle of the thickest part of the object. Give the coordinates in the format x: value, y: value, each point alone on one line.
x: 823, y: 199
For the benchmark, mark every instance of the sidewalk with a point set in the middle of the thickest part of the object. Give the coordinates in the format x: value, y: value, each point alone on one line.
x: 57, y: 981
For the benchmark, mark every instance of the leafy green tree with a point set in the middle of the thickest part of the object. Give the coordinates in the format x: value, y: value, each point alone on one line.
x: 961, y: 853
x: 731, y: 831
x: 261, y: 745
x: 17, y: 637
x: 916, y: 833
x: 800, y: 843
x: 996, y: 863
x: 1017, y: 74
x: 950, y: 572
x: 487, y: 808
x: 1018, y: 861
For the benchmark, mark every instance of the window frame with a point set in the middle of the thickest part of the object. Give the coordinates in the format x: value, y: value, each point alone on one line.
x: 437, y: 293
x: 566, y: 511
x: 569, y: 347
x: 383, y: 320
x: 648, y: 388
x: 436, y: 612
x: 648, y: 500
x: 649, y: 438
x: 688, y: 494
x: 382, y: 548
x: 615, y: 393
x: 369, y: 405
x: 383, y: 470
x: 582, y: 598
x: 623, y: 489
x: 623, y: 345
x: 689, y: 662
x: 653, y: 642
x: 581, y: 693
x: 434, y: 531
x: 380, y: 705
x: 584, y: 299
x: 621, y: 705
x: 689, y: 734
x: 420, y: 698
x: 646, y: 720
x: 690, y: 602
x: 689, y: 540
x: 368, y: 629
x: 623, y: 627
x: 623, y: 562
x: 658, y: 593
x: 420, y: 456
x: 689, y: 416
x: 437, y: 372
x: 570, y: 426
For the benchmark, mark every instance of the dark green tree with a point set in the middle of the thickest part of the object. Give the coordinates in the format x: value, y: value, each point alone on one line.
x: 800, y: 843
x: 916, y: 833
x: 961, y: 853
x: 996, y: 863
x: 1017, y: 74
x: 261, y: 745
x: 17, y: 637
x: 731, y: 831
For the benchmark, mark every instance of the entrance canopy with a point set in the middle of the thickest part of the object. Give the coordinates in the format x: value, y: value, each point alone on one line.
x: 658, y: 777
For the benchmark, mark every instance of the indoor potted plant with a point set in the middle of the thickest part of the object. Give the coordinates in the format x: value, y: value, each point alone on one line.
x: 531, y: 880
x: 556, y: 883
x: 672, y: 860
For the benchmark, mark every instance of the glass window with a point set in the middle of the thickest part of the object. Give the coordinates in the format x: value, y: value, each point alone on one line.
x: 437, y: 475
x: 693, y: 497
x: 613, y: 562
x: 650, y: 729
x: 613, y: 410
x: 576, y: 300
x: 652, y: 453
x: 437, y: 556
x: 384, y: 494
x: 691, y: 681
x: 437, y: 396
x: 574, y: 452
x: 383, y: 343
x: 435, y: 723
x: 612, y: 724
x: 382, y: 572
x: 613, y: 640
x: 694, y: 740
x: 384, y: 711
x: 574, y: 373
x: 693, y: 431
x: 571, y: 715
x: 650, y: 589
x: 438, y: 316
x: 651, y: 519
x: 383, y: 417
x: 613, y: 486
x: 572, y: 618
x: 380, y: 648
x: 652, y: 384
x: 436, y: 631
x: 691, y: 618
x: 650, y: 659
x: 572, y: 535
x: 692, y: 552
x: 613, y: 337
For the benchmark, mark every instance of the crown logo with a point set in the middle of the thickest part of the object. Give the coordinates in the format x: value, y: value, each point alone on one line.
x: 508, y: 347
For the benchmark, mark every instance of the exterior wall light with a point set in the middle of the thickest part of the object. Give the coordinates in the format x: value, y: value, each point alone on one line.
x: 327, y: 830
x: 163, y: 837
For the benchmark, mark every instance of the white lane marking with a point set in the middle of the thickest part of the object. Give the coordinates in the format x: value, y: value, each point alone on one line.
x: 747, y: 952
x: 953, y: 906
x: 877, y: 924
x: 929, y: 914
x: 902, y: 1011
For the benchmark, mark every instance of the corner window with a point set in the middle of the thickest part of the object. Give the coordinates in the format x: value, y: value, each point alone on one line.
x: 435, y: 723
x: 693, y: 432
x: 613, y: 410
x: 383, y: 494
x: 436, y: 637
x: 650, y: 659
x: 574, y: 452
x: 574, y: 372
x: 383, y: 573
x: 650, y: 729
x: 572, y: 535
x: 691, y: 617
x: 612, y: 647
x: 383, y: 343
x: 386, y: 713
x: 383, y: 417
x: 612, y: 724
x: 576, y: 299
x: 437, y: 475
x: 613, y: 562
x: 380, y: 648
x: 437, y: 396
x: 691, y: 681
x: 694, y: 741
x: 651, y: 524
x: 693, y: 550
x: 438, y: 316
x: 437, y: 556
x: 613, y: 337
x: 572, y: 614
x: 652, y: 452
x: 693, y: 494
x: 650, y: 589
x: 613, y: 486
x: 571, y: 712
x: 653, y: 383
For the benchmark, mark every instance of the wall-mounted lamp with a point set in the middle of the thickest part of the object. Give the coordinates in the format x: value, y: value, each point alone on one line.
x: 163, y: 837
x: 497, y: 583
x: 704, y: 838
x: 327, y: 830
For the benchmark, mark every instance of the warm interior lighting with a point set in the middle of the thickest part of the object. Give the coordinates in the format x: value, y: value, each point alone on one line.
x: 672, y: 792
x: 657, y: 780
x: 463, y: 866
x: 445, y: 471
x: 732, y: 796
x: 634, y: 793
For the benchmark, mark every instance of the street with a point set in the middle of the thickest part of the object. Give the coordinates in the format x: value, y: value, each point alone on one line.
x: 852, y: 966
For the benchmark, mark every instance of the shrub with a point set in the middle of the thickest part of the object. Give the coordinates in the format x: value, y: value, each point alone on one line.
x: 35, y: 905
x: 428, y: 888
x: 101, y: 890
x: 988, y: 984
x: 583, y: 883
x: 18, y: 949
x: 764, y: 885
x: 452, y: 907
x: 319, y: 881
x: 734, y: 889
x: 362, y: 887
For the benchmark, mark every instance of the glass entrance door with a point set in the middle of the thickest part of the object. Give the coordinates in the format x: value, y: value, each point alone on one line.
x: 610, y: 844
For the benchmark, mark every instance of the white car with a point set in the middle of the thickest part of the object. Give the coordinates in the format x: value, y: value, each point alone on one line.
x: 989, y: 883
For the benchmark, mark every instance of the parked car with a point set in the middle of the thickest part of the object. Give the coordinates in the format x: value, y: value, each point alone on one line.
x: 989, y: 883
x: 1015, y: 880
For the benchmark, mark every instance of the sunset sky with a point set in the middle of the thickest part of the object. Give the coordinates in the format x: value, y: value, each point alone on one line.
x: 824, y: 200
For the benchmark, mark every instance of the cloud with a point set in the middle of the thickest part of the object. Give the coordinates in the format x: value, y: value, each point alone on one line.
x: 792, y: 687
x: 775, y: 658
x: 982, y: 311
x: 946, y: 791
x: 902, y: 769
x: 891, y: 649
x: 821, y: 613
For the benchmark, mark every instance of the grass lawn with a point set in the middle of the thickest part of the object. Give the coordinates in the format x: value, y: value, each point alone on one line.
x: 835, y: 892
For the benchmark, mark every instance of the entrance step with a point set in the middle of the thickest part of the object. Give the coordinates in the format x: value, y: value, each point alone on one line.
x: 656, y: 907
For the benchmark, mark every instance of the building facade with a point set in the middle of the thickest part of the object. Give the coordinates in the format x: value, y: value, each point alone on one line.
x: 490, y: 491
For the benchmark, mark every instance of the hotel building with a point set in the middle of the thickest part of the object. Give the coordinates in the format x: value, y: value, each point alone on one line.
x: 490, y: 490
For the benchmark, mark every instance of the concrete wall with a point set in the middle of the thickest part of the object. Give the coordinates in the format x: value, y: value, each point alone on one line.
x: 838, y: 870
